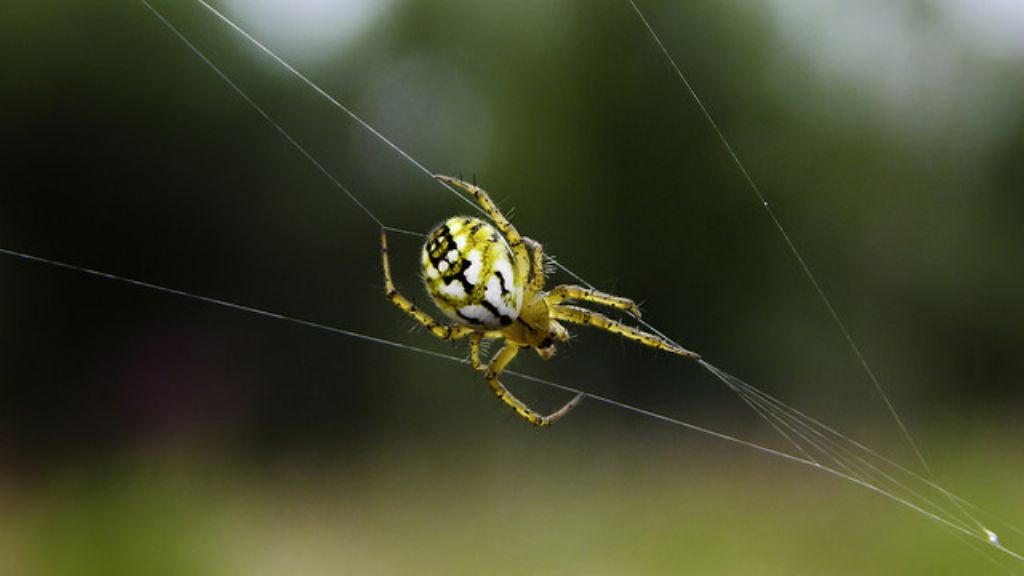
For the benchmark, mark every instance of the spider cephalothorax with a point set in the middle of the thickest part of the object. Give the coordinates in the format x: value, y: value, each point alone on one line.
x: 490, y: 281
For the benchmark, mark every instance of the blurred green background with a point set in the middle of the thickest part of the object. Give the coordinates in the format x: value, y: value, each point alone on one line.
x: 146, y: 433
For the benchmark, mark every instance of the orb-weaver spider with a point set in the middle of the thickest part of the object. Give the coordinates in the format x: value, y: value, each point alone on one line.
x: 492, y: 286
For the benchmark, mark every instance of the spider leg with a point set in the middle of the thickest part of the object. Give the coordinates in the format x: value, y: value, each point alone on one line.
x: 497, y: 366
x: 474, y: 352
x: 537, y: 282
x: 439, y: 330
x: 578, y: 315
x: 487, y: 204
x: 570, y: 292
x: 515, y: 240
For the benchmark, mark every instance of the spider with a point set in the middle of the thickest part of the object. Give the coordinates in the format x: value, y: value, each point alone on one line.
x: 492, y: 286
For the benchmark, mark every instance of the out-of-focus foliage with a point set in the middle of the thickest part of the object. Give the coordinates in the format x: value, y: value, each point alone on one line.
x: 887, y: 138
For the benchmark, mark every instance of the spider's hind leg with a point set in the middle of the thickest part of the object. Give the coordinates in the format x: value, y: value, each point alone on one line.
x: 439, y: 330
x: 488, y: 205
x: 537, y: 264
x: 515, y: 241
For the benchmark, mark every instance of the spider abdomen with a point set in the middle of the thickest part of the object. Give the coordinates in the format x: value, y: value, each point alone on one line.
x: 469, y: 272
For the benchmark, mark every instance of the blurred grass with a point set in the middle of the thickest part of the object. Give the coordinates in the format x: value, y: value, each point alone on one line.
x: 141, y: 433
x: 589, y: 504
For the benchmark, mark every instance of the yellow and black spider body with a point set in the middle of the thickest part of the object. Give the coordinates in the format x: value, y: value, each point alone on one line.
x: 489, y: 280
x: 471, y: 273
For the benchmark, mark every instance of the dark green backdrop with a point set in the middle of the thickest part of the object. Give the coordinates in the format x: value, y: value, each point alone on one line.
x: 889, y: 149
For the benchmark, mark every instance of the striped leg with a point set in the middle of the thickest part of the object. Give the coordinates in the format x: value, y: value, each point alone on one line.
x: 537, y: 282
x: 497, y: 365
x: 515, y: 241
x: 581, y: 294
x: 442, y: 331
x: 578, y: 315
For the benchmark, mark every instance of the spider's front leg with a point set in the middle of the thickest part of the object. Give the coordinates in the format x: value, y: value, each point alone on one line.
x: 439, y: 330
x: 565, y: 292
x: 578, y: 315
x: 497, y: 366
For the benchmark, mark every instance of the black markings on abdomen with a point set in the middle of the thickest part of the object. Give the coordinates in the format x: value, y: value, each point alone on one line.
x: 469, y: 319
x: 503, y: 319
x: 504, y: 286
x: 440, y: 243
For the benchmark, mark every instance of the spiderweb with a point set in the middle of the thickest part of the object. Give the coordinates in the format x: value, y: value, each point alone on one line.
x: 813, y: 443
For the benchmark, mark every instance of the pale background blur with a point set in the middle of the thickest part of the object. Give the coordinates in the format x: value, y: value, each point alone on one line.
x: 146, y: 433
